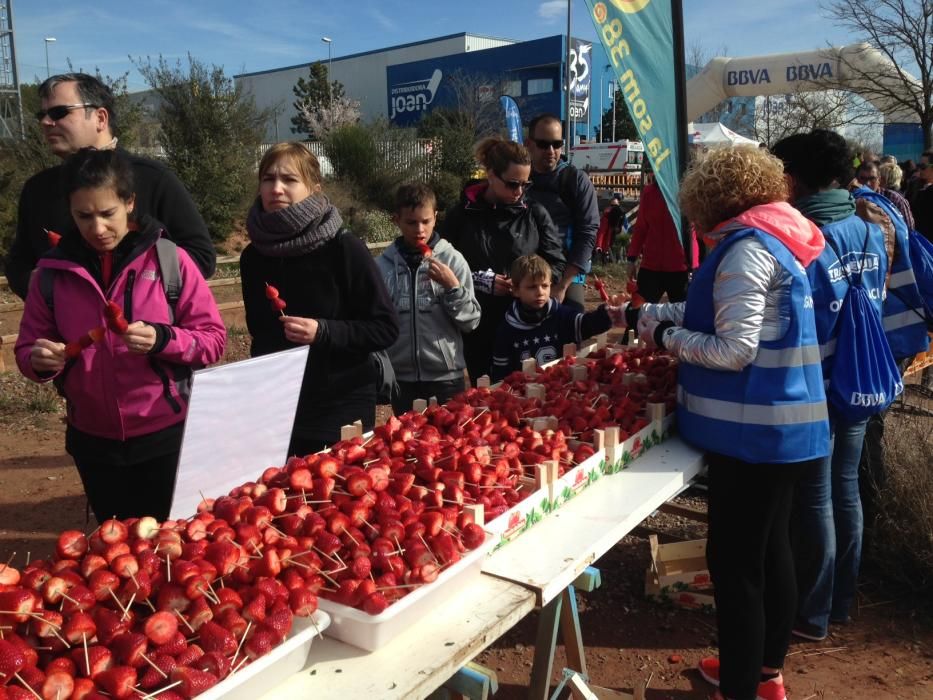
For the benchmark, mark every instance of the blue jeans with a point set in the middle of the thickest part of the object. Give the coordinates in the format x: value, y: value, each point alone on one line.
x: 827, y: 530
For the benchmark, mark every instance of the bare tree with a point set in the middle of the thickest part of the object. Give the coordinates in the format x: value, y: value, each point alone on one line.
x: 320, y: 120
x: 734, y: 112
x: 779, y: 116
x: 902, y: 32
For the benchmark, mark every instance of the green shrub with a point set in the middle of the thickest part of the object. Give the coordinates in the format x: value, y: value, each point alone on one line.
x: 375, y: 226
x: 447, y: 187
x: 354, y: 153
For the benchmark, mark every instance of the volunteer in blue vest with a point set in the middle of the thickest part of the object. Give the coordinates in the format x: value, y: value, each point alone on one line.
x: 826, y: 528
x: 751, y: 395
x: 569, y: 198
x: 906, y: 311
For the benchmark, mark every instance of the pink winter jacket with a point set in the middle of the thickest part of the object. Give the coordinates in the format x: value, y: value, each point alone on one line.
x: 111, y: 392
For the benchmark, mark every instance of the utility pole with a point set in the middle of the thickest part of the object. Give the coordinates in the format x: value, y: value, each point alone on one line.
x: 569, y: 134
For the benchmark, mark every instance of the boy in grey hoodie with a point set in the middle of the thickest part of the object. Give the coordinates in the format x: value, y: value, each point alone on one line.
x: 432, y: 288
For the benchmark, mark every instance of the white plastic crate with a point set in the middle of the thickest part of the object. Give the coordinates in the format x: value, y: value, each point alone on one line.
x: 370, y: 632
x: 266, y: 672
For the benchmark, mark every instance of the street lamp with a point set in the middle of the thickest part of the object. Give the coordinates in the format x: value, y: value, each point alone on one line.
x: 330, y: 91
x: 48, y: 40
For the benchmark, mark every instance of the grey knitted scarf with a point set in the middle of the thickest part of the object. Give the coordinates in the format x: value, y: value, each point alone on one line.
x: 295, y: 230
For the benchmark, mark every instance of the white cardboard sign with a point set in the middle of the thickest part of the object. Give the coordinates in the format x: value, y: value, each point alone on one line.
x: 239, y: 422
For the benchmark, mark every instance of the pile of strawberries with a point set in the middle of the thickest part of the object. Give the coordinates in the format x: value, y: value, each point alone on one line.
x: 140, y: 608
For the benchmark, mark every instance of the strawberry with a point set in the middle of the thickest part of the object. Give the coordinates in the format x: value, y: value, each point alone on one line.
x: 214, y: 663
x: 71, y: 544
x: 129, y: 647
x: 112, y: 531
x: 375, y: 603
x: 601, y: 288
x: 472, y: 535
x: 425, y: 250
x: 255, y: 610
x: 193, y: 681
x: 175, y: 646
x: 118, y: 681
x: 32, y: 678
x: 86, y: 689
x: 199, y: 613
x: 161, y: 627
x: 52, y: 238
x: 62, y: 663
x: 109, y: 624
x: 189, y: 655
x: 116, y: 321
x: 231, y: 621
x: 279, y: 621
x: 302, y: 602
x: 12, y: 660
x: 18, y: 603
x: 229, y: 599
x: 260, y: 643
x: 99, y: 657
x: 213, y: 637
x: 58, y: 685
x: 271, y: 292
x: 79, y: 627
x: 79, y: 598
x: 152, y: 679
x: 278, y: 304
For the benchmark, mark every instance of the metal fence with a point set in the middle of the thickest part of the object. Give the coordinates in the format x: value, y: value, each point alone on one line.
x: 422, y: 154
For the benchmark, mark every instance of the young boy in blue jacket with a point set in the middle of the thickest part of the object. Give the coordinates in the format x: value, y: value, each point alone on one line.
x: 431, y: 286
x: 538, y: 326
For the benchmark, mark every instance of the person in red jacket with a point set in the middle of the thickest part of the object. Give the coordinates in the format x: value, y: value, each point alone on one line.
x: 126, y: 379
x: 655, y: 239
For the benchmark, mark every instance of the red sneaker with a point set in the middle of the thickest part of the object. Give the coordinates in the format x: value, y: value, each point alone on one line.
x: 769, y: 690
x: 709, y: 669
x: 772, y: 690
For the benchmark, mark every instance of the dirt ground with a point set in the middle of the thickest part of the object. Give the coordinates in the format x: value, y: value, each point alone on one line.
x: 885, y: 653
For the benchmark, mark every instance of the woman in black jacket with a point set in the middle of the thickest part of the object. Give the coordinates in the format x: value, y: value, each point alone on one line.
x: 492, y: 226
x: 336, y: 300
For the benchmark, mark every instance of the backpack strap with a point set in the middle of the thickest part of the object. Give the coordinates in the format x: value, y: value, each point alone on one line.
x: 47, y: 286
x: 169, y: 268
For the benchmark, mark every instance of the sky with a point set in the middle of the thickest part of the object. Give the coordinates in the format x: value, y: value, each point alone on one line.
x: 247, y: 36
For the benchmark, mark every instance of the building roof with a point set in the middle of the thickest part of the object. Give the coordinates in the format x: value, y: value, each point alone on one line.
x: 375, y: 51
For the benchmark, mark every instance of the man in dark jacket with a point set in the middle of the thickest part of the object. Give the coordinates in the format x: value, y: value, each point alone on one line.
x: 569, y: 198
x: 78, y: 112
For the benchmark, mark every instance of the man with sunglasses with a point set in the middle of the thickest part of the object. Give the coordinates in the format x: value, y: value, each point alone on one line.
x: 569, y: 198
x: 77, y: 111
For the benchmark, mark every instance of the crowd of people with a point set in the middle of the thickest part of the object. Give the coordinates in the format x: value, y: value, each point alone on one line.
x: 109, y: 235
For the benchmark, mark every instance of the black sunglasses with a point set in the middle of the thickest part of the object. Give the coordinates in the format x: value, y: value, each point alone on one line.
x: 60, y: 111
x: 544, y: 144
x: 515, y: 185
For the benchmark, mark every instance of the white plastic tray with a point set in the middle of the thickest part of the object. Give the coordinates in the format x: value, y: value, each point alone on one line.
x: 370, y: 632
x: 268, y: 671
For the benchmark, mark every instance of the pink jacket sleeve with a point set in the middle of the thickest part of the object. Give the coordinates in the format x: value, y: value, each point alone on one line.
x: 37, y: 322
x: 198, y: 333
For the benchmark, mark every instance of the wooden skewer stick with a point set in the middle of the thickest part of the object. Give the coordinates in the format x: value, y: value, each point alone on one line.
x: 62, y: 639
x: 87, y: 659
x: 168, y: 567
x: 401, y: 585
x: 160, y: 691
x: 7, y: 562
x: 26, y: 685
x: 128, y: 606
x: 119, y: 604
x: 151, y: 663
x: 347, y: 533
x: 182, y: 618
x: 242, y: 639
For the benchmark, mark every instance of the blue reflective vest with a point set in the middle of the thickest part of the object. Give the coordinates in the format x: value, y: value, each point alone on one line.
x: 902, y: 310
x: 828, y: 281
x: 774, y: 410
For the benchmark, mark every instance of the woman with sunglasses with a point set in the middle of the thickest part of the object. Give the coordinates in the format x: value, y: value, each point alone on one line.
x: 492, y: 226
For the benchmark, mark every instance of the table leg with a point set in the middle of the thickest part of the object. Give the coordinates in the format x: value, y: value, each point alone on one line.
x: 545, y: 643
x: 570, y: 631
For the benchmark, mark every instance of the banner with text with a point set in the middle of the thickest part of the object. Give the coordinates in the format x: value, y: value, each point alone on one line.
x: 513, y: 118
x: 638, y: 36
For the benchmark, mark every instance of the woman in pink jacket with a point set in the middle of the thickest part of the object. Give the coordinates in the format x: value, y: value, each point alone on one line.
x: 126, y: 382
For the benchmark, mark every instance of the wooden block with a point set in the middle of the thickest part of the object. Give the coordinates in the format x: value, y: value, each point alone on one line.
x: 529, y: 367
x: 539, y: 424
x: 535, y: 391
x: 612, y: 445
x: 599, y: 439
x: 579, y: 690
x: 655, y: 412
x: 472, y: 681
x: 419, y: 405
x: 589, y: 580
x: 478, y: 512
x: 602, y: 340
x: 578, y: 373
x: 348, y: 432
x: 432, y: 401
x: 483, y: 382
x: 545, y: 473
x: 570, y: 350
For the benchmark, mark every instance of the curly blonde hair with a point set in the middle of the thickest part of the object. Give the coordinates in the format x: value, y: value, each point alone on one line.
x: 724, y: 182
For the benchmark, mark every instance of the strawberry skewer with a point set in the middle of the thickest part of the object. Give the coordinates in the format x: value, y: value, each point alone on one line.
x: 601, y: 288
x: 277, y: 302
x: 116, y: 321
x: 75, y: 347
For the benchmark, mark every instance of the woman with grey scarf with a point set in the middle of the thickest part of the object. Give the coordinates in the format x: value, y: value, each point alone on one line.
x: 336, y: 302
